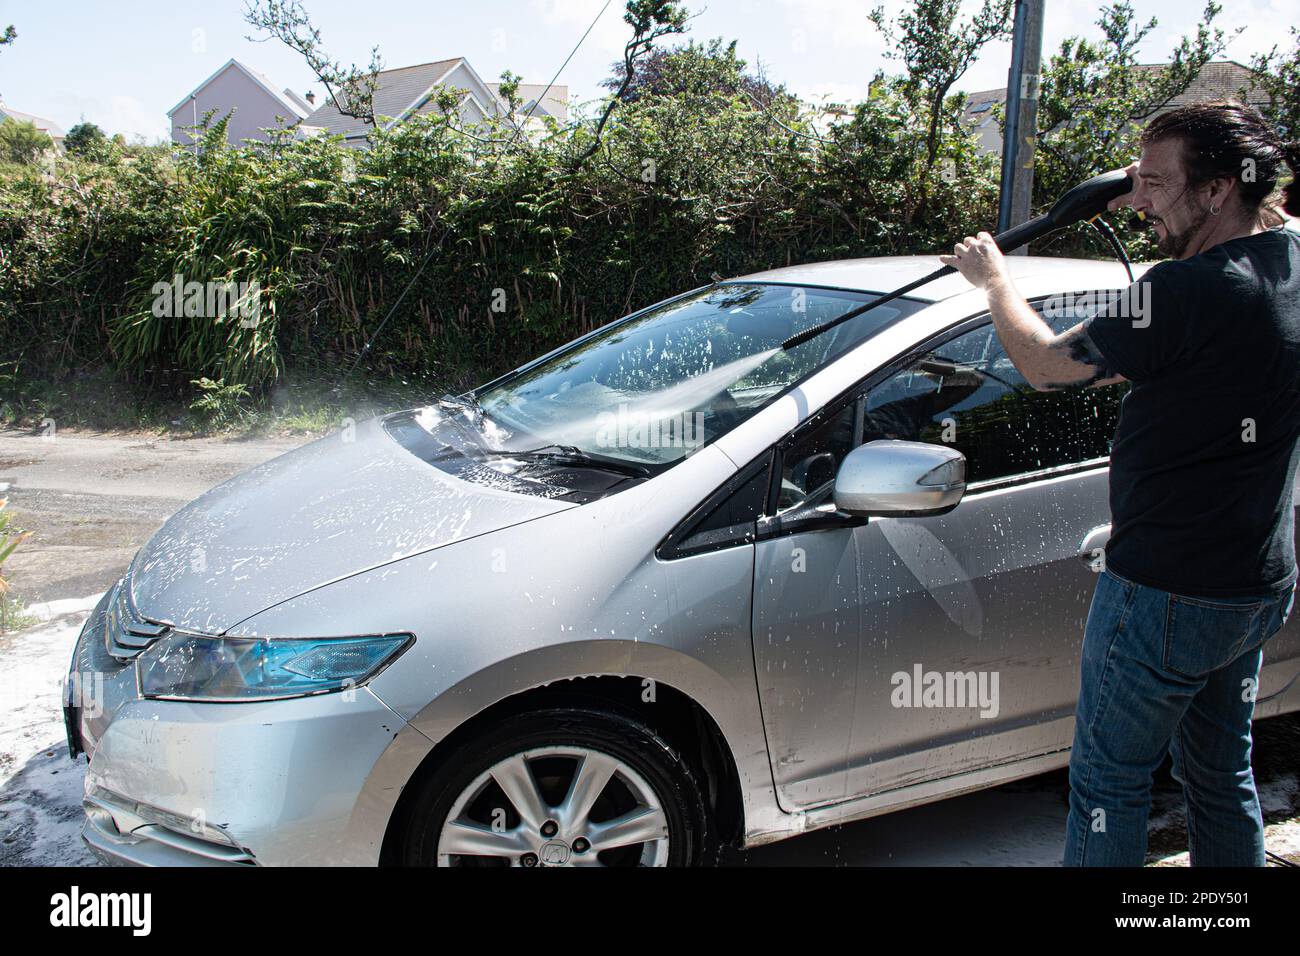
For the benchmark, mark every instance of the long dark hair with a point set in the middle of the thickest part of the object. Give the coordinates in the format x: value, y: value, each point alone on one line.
x: 1225, y: 139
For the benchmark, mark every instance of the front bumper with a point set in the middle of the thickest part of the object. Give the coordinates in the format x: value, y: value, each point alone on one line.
x: 286, y: 782
x: 282, y: 781
x: 123, y: 832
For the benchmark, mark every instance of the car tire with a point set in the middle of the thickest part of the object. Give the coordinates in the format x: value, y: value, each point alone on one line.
x: 650, y: 777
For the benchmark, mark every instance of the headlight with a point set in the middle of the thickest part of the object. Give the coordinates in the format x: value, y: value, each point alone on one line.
x: 233, y: 669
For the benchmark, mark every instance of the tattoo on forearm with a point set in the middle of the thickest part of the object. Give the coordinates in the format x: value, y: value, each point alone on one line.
x: 1078, y: 345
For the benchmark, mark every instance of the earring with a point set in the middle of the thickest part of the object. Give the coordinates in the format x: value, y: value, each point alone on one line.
x: 1214, y: 210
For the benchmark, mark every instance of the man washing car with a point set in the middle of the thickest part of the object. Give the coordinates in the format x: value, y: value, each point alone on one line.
x: 1200, y: 567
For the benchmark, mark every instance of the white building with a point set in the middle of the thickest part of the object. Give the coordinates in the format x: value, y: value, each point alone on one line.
x: 413, y: 90
x: 48, y: 127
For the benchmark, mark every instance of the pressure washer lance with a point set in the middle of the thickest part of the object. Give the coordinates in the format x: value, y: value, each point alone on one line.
x: 1085, y: 201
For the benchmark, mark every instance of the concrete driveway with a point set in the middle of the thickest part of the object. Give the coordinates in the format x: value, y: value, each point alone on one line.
x: 92, y: 500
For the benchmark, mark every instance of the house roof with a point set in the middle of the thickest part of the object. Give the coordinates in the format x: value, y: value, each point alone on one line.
x: 289, y: 100
x: 1218, y: 79
x: 299, y: 101
x: 49, y: 127
x: 396, y: 92
x: 556, y: 102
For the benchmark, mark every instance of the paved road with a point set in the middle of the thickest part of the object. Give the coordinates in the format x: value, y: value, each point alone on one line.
x: 93, y: 500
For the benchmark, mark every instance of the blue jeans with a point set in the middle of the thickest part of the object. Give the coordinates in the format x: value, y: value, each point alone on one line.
x: 1165, y: 672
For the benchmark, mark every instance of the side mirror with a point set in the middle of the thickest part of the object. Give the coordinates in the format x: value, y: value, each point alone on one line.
x: 900, y: 479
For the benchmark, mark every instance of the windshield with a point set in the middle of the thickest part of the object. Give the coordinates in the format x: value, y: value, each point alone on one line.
x: 656, y: 388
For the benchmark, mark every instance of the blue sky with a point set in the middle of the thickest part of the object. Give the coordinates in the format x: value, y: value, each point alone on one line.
x: 124, y: 64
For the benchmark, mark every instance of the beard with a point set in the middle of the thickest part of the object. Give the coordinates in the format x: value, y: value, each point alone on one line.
x: 1174, y: 244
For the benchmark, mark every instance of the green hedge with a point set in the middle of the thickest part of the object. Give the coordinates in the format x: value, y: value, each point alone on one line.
x: 682, y: 187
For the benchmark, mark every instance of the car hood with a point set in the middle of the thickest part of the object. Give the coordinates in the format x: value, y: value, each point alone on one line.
x: 336, y: 507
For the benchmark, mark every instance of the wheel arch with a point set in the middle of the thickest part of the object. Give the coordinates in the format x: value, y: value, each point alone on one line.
x: 669, y: 711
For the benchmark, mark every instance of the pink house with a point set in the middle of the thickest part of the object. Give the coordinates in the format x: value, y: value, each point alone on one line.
x: 255, y: 101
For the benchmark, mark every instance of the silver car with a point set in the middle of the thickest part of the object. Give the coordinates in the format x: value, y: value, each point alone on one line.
x: 669, y: 588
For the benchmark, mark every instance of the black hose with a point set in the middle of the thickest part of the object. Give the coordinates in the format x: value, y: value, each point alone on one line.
x: 1103, y: 227
x: 1084, y: 201
x: 1014, y: 238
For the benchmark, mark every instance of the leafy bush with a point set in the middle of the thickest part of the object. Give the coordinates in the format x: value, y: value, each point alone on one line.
x: 218, y: 405
x: 22, y: 143
x: 513, y: 248
x: 10, y: 538
x: 508, y: 248
x: 85, y: 138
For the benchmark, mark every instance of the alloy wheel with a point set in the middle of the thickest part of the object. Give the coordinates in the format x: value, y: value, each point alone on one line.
x: 556, y: 806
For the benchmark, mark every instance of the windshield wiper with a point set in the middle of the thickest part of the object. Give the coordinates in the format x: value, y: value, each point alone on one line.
x: 571, y: 454
x: 466, y: 405
x: 474, y: 435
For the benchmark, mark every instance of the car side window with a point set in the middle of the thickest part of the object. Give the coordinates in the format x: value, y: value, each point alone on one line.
x: 967, y: 393
x: 727, y: 518
x: 1096, y: 410
x: 811, y: 460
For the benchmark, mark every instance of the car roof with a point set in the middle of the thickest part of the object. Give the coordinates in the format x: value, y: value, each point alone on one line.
x: 888, y: 272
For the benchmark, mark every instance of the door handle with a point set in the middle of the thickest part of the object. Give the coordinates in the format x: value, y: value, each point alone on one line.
x: 1093, y: 546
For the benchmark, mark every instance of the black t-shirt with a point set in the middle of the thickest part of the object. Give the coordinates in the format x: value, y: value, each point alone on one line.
x: 1205, y: 455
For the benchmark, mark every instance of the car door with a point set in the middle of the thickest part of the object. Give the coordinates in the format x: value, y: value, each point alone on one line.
x: 900, y: 650
x: 806, y: 613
